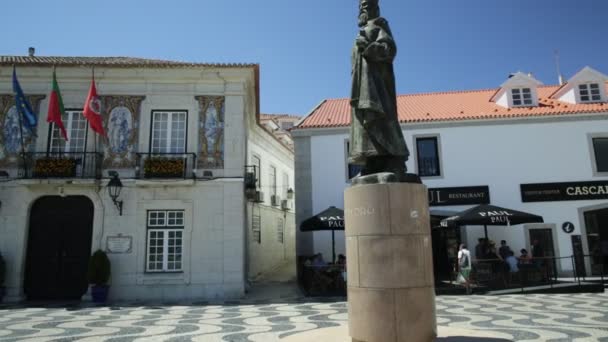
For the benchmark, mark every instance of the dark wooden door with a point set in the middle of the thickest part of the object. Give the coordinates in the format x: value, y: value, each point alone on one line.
x: 59, y: 246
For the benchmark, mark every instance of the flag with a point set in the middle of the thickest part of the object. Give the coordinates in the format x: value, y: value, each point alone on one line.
x: 56, y: 109
x: 24, y: 109
x: 92, y: 110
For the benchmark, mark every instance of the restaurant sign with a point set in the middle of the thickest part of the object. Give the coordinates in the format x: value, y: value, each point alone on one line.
x: 459, y: 196
x: 572, y: 191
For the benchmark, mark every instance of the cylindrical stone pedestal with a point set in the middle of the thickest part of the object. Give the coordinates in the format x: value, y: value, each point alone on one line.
x: 391, y: 296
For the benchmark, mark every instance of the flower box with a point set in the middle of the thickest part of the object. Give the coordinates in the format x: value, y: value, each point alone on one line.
x: 55, y: 167
x: 163, y: 168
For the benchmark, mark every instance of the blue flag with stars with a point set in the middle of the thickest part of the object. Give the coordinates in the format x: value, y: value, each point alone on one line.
x: 28, y: 117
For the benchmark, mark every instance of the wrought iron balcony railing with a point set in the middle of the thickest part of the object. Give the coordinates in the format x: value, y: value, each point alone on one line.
x: 42, y: 165
x: 165, y: 165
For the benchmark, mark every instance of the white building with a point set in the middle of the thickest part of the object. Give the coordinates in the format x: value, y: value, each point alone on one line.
x: 525, y: 146
x: 180, y: 137
x: 280, y: 125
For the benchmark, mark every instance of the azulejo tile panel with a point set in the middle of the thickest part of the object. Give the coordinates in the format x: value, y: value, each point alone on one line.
x: 211, y: 132
x: 121, y: 117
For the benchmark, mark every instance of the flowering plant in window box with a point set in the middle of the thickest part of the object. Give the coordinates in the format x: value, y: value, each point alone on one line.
x: 164, y: 167
x: 55, y: 167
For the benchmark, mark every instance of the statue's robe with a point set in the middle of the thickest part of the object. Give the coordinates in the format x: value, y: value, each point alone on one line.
x: 375, y: 130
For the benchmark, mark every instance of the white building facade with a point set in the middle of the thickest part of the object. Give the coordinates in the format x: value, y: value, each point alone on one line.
x: 523, y: 146
x: 179, y: 139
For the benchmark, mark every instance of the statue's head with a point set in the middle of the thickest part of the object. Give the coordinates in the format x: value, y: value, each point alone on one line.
x: 368, y: 10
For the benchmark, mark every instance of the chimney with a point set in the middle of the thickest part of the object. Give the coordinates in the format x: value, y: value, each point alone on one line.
x: 31, y: 51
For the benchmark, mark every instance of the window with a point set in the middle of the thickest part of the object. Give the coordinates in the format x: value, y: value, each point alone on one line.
x: 589, y: 92
x: 351, y: 169
x: 256, y: 227
x: 280, y: 230
x: 522, y: 97
x: 428, y: 157
x: 168, y: 132
x: 76, y: 127
x: 258, y: 170
x: 285, y: 184
x: 165, y: 240
x: 273, y: 180
x: 600, y: 149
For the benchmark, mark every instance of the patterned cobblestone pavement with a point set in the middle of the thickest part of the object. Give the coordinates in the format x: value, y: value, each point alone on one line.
x: 573, y: 317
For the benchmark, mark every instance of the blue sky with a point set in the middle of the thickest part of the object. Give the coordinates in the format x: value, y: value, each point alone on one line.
x: 304, y: 46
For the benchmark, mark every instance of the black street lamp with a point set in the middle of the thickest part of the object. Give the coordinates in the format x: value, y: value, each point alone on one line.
x: 114, y: 188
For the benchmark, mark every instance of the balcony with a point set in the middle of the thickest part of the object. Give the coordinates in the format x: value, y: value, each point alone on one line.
x: 37, y: 165
x: 165, y: 165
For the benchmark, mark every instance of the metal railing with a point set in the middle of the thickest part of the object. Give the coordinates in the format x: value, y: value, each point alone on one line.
x: 43, y: 165
x: 530, y: 274
x: 165, y: 165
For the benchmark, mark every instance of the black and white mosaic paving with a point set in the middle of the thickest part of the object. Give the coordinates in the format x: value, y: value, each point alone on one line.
x: 576, y: 317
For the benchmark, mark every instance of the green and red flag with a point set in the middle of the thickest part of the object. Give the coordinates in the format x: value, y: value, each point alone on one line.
x: 56, y: 110
x: 92, y: 110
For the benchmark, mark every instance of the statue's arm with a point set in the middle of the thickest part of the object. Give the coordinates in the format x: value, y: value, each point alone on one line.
x: 383, y: 49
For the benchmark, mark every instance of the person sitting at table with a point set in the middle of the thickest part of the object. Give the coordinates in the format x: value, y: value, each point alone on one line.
x: 319, y: 261
x: 524, y: 258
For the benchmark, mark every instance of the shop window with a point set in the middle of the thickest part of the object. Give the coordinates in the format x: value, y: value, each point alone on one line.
x: 600, y: 150
x: 165, y: 230
x: 427, y: 152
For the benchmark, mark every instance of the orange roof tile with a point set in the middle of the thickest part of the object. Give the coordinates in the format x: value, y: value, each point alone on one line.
x: 450, y: 106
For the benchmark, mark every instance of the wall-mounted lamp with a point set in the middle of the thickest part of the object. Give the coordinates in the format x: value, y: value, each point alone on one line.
x: 290, y: 193
x: 114, y: 188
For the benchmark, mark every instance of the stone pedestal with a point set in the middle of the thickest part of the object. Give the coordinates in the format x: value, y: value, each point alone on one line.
x: 391, y: 295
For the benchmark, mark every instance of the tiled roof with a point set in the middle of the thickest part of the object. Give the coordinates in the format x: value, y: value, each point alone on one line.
x: 450, y: 106
x: 121, y: 62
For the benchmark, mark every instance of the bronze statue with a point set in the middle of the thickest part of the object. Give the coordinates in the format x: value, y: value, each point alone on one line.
x: 376, y: 140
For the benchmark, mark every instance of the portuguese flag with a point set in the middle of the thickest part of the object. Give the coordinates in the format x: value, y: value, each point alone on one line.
x: 56, y: 110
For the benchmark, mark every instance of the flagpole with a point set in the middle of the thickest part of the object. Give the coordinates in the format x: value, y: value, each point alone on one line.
x: 21, y: 132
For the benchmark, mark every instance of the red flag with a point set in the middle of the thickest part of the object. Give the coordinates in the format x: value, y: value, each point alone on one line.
x: 92, y: 110
x: 56, y: 108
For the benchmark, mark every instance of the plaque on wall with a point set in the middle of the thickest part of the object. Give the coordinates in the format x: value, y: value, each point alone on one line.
x: 119, y: 244
x: 571, y: 191
x: 459, y: 196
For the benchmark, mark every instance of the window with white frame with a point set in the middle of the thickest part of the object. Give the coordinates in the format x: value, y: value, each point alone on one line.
x: 522, y: 97
x: 257, y: 162
x: 169, y: 131
x: 76, y: 128
x: 600, y: 149
x: 273, y: 180
x: 165, y: 229
x: 280, y: 230
x: 285, y: 184
x: 427, y: 151
x: 589, y: 92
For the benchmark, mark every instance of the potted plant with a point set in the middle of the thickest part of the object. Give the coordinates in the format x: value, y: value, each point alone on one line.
x: 2, y: 274
x: 99, y: 274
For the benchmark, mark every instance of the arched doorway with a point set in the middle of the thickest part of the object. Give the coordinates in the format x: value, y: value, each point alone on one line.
x: 59, y: 246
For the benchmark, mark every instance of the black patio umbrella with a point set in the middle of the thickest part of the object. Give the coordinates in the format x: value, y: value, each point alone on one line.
x: 490, y: 215
x: 331, y: 218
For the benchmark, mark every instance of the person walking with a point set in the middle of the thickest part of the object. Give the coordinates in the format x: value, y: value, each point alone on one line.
x: 464, y: 266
